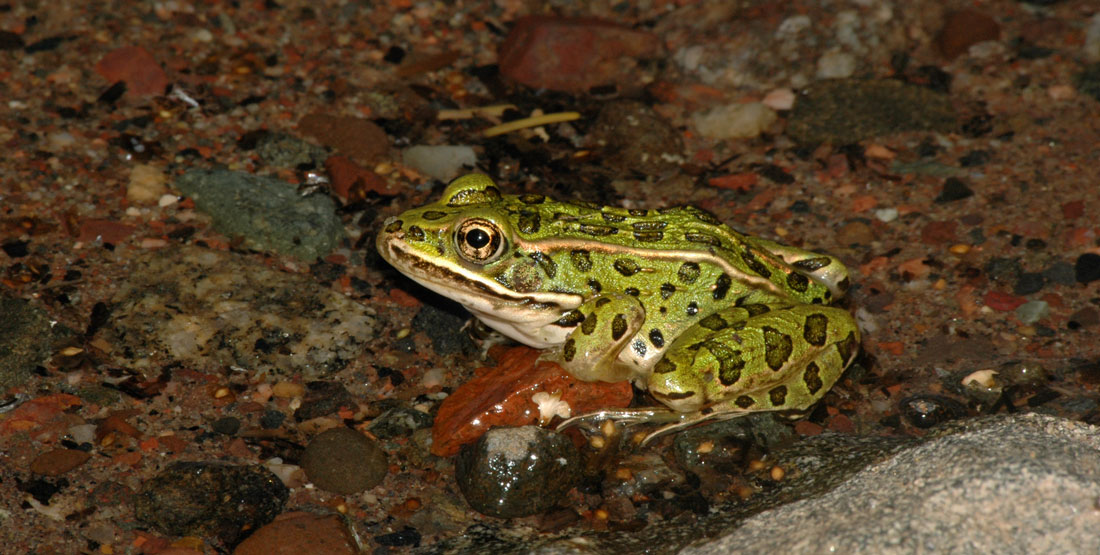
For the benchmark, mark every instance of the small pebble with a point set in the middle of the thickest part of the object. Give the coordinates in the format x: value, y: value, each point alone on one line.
x: 1028, y: 283
x: 443, y: 162
x: 735, y: 121
x: 56, y: 462
x: 925, y: 411
x: 954, y: 189
x: 147, y: 184
x: 60, y: 141
x: 779, y: 99
x: 886, y: 215
x: 1087, y: 267
x: 228, y: 425
x: 342, y: 460
x: 1032, y: 311
x: 835, y: 64
x: 964, y: 28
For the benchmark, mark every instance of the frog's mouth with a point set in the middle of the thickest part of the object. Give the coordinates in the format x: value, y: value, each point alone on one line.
x: 529, y: 318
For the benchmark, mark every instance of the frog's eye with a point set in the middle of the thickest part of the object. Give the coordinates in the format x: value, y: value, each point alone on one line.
x: 479, y: 241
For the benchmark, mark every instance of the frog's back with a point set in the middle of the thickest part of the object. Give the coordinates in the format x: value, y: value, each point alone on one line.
x: 647, y: 243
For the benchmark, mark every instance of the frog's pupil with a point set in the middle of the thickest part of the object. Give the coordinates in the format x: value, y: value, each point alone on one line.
x: 477, y: 238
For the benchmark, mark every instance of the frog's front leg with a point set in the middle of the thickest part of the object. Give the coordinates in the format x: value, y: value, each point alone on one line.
x: 591, y: 351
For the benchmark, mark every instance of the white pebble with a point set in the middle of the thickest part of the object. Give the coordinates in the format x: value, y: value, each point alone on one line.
x: 886, y: 214
x: 147, y: 184
x: 444, y: 162
x: 735, y: 121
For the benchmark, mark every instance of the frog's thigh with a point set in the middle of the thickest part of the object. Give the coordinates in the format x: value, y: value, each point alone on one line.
x: 591, y: 349
x: 775, y: 359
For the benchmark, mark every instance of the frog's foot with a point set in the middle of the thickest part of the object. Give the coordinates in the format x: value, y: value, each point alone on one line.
x: 670, y: 421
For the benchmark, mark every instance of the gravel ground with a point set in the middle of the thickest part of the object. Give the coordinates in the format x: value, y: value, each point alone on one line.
x: 943, y: 151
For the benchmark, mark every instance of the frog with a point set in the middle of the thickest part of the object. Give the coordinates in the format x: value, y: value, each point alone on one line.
x: 713, y: 323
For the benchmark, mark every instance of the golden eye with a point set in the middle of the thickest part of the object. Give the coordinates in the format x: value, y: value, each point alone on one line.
x: 479, y: 241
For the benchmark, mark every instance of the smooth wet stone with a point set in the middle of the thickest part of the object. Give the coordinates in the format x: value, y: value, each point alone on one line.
x: 514, y: 472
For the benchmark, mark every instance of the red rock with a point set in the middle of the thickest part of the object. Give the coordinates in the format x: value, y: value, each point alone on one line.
x: 736, y: 182
x: 1073, y: 209
x: 299, y: 532
x: 137, y: 67
x: 58, y: 461
x: 964, y: 28
x: 37, y: 411
x: 938, y: 233
x: 108, y: 231
x: 501, y: 396
x: 358, y: 138
x: 350, y: 181
x: 1002, y: 301
x: 116, y: 422
x: 573, y: 54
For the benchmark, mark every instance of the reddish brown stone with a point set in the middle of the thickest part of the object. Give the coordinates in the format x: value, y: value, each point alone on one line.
x: 938, y: 233
x: 58, y: 461
x: 116, y: 422
x: 137, y: 67
x: 298, y: 532
x: 573, y: 54
x: 1002, y: 301
x: 350, y: 181
x: 501, y: 396
x: 964, y: 28
x: 108, y: 231
x: 1073, y: 209
x: 357, y: 138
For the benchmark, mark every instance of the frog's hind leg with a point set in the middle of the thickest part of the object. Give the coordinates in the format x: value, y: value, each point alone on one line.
x: 671, y: 421
x: 780, y: 358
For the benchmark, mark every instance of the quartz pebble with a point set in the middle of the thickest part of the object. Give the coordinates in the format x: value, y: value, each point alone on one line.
x: 735, y: 121
x: 443, y: 162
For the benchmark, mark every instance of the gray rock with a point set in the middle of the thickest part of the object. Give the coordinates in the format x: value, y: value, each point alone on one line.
x: 27, y: 339
x: 846, y: 111
x: 287, y: 151
x: 211, y: 309
x: 1006, y: 484
x: 268, y: 213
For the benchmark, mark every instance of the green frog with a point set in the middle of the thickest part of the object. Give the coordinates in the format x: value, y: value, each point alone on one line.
x: 713, y: 323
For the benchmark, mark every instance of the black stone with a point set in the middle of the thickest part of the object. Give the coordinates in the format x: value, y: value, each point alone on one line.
x: 1087, y: 267
x: 1028, y: 283
x: 272, y: 419
x: 975, y: 158
x: 228, y: 425
x: 15, y: 249
x: 954, y: 189
x: 925, y: 411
